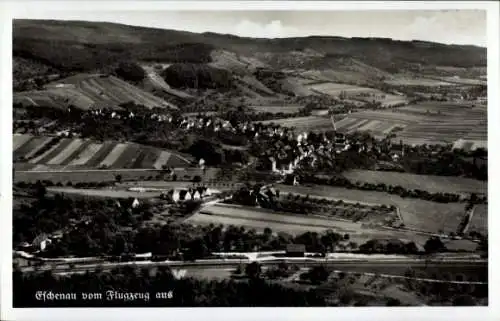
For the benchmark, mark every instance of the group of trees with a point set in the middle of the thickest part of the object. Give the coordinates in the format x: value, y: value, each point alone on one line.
x: 394, y: 246
x: 215, y: 154
x: 130, y: 71
x: 448, y: 164
x: 197, y: 76
x: 73, y: 56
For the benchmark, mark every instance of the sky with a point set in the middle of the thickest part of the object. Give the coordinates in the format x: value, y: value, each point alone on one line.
x: 446, y: 26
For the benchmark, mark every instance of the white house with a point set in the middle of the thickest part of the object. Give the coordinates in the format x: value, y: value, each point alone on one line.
x: 135, y: 203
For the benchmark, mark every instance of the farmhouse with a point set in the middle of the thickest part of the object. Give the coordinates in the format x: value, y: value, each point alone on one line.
x: 41, y: 242
x: 181, y: 194
x: 397, y: 150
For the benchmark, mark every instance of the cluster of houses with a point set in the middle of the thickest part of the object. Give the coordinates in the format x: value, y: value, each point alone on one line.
x: 178, y: 194
x: 287, y: 149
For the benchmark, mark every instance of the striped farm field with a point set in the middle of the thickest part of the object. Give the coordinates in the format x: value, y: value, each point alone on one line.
x: 101, y: 154
x: 148, y: 158
x: 27, y: 146
x: 86, y: 154
x: 87, y: 90
x: 426, y: 123
x: 51, y: 152
x: 178, y: 160
x: 430, y: 183
x: 19, y: 140
x: 113, y: 155
x: 77, y: 153
x: 128, y: 156
x: 379, y: 124
x: 418, y: 214
x: 66, y: 152
x: 162, y: 159
x: 36, y: 144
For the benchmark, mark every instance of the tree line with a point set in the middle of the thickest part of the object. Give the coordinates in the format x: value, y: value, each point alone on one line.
x: 340, y: 181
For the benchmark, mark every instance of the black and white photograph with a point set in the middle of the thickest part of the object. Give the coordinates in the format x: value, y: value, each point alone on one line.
x: 249, y: 158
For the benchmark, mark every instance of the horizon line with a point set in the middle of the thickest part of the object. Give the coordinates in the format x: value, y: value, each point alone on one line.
x: 256, y: 38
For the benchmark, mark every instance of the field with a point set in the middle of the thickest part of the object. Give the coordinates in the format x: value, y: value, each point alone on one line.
x: 295, y: 224
x: 276, y: 109
x: 410, y: 81
x: 253, y: 84
x: 23, y: 174
x: 430, y: 183
x: 153, y: 79
x: 334, y: 89
x: 388, y: 100
x: 309, y: 123
x: 85, y: 91
x: 379, y: 123
x: 231, y: 61
x: 74, y: 153
x: 296, y: 86
x: 417, y: 214
x: 479, y: 220
x: 364, y: 94
x: 111, y: 193
x: 426, y: 123
x: 464, y: 81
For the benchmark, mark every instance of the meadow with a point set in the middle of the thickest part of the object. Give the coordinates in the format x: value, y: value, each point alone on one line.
x: 294, y: 224
x: 416, y: 214
x: 430, y: 183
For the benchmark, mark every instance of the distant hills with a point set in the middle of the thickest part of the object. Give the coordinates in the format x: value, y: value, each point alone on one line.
x: 171, y: 68
x: 79, y: 45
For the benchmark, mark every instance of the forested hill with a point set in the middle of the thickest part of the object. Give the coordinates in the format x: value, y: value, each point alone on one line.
x: 83, y: 46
